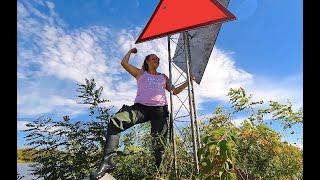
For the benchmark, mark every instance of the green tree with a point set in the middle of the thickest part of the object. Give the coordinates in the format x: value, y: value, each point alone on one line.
x: 70, y: 149
x: 254, y: 150
x: 217, y: 155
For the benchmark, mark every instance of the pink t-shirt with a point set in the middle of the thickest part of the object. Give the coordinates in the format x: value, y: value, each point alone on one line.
x: 151, y: 90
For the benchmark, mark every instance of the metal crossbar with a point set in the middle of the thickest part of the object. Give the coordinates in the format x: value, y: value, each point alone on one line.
x: 176, y: 118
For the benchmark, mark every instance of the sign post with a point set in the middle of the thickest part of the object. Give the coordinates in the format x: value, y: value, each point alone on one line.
x: 171, y: 17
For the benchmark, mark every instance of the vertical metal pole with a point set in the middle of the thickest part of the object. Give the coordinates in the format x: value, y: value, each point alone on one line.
x: 171, y: 134
x: 196, y: 120
x: 191, y: 99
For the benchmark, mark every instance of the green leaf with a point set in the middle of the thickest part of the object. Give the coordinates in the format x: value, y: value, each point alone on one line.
x: 223, y: 145
x: 200, y: 151
x: 231, y: 176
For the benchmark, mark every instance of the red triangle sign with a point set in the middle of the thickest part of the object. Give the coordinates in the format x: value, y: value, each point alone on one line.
x: 172, y: 16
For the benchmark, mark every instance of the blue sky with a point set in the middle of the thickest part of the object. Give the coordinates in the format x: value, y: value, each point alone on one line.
x: 60, y: 43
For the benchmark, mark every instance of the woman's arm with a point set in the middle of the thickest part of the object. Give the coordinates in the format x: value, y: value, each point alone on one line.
x: 180, y: 88
x: 176, y: 90
x: 134, y: 71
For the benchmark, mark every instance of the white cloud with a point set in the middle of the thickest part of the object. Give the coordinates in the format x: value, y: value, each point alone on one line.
x: 238, y: 121
x: 22, y: 11
x: 282, y: 90
x: 50, y: 5
x: 21, y: 125
x: 36, y: 103
x: 36, y: 12
x: 221, y: 74
x: 299, y: 145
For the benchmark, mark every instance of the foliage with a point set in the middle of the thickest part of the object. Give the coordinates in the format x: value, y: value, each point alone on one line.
x: 218, y: 148
x: 69, y: 149
x: 254, y: 150
x: 25, y: 155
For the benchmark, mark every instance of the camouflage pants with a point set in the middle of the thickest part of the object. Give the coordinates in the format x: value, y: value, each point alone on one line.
x: 129, y: 116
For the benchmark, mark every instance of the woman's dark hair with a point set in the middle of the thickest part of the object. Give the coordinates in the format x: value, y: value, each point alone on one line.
x: 145, y: 65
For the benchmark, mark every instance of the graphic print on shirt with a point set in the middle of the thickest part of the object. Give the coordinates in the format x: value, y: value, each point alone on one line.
x: 154, y: 83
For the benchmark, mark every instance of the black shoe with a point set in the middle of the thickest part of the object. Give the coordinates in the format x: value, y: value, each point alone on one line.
x: 107, y: 165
